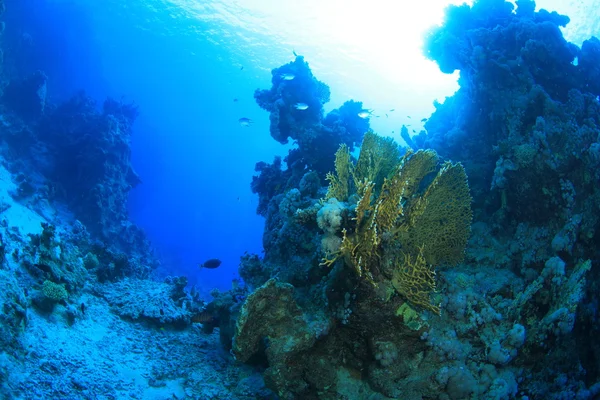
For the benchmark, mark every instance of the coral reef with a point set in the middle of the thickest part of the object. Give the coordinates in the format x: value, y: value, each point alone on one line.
x: 270, y: 319
x: 317, y: 136
x: 410, y: 313
x: 463, y: 267
x: 161, y: 303
x: 313, y: 331
x: 81, y: 315
x: 80, y: 158
x: 530, y: 112
x: 93, y: 151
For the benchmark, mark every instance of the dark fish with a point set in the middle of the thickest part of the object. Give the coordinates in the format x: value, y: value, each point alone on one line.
x: 241, y: 68
x: 83, y: 308
x: 295, y: 54
x: 203, y: 317
x: 235, y: 100
x: 408, y: 116
x: 211, y: 264
x: 424, y: 119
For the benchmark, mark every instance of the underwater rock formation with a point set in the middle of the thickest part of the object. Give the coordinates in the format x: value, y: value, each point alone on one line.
x: 27, y: 97
x: 516, y: 313
x: 82, y: 316
x: 525, y: 107
x: 81, y: 157
x: 355, y: 283
x: 526, y: 125
x: 92, y: 161
x: 160, y: 303
x: 271, y: 320
x: 317, y: 136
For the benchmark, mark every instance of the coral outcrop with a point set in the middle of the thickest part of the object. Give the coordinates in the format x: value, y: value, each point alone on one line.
x: 414, y: 315
x: 316, y: 135
x: 386, y: 221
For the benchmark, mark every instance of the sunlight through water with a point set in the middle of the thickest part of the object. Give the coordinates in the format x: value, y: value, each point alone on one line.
x: 369, y: 51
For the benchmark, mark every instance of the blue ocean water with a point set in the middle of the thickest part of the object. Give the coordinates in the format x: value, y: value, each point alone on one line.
x: 191, y: 68
x: 195, y: 160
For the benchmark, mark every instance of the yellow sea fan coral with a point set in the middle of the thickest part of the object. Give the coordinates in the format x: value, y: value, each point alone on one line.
x: 441, y: 218
x: 410, y: 216
x: 378, y: 159
x: 415, y: 167
x: 388, y: 206
x: 340, y: 181
x: 359, y: 249
x: 415, y: 280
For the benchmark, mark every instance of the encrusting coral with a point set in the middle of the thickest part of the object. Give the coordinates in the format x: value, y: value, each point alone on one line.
x: 431, y: 224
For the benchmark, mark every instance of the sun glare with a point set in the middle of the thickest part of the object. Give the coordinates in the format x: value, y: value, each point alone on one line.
x: 364, y: 50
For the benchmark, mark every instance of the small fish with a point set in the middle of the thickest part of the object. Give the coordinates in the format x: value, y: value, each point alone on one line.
x: 424, y: 119
x: 393, y: 109
x: 295, y: 54
x: 245, y: 121
x: 83, y: 308
x: 408, y: 116
x: 301, y: 106
x: 364, y: 114
x: 414, y: 131
x: 386, y: 116
x: 211, y: 264
x: 241, y: 68
x: 203, y: 317
x: 287, y: 76
x: 235, y: 100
